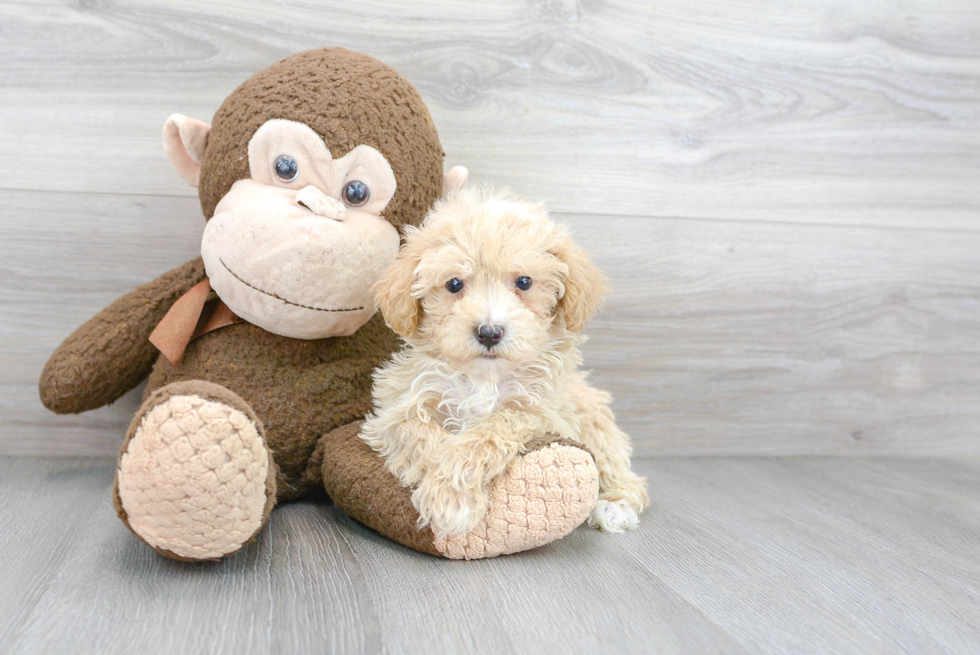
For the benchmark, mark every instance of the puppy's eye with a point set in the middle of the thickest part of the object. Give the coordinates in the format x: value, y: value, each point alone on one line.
x: 455, y: 285
x: 523, y: 283
x: 286, y: 167
x: 356, y: 193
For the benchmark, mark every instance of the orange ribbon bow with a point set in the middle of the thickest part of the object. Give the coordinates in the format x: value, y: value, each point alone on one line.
x: 195, y: 313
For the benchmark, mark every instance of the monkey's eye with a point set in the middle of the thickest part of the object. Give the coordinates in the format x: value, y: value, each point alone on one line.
x: 286, y: 167
x: 355, y: 193
x: 455, y: 285
x: 523, y: 283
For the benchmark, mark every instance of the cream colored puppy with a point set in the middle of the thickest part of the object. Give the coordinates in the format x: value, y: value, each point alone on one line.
x: 491, y: 297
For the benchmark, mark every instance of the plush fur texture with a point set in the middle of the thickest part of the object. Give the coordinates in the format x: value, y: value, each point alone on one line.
x: 299, y: 389
x: 206, y: 506
x: 451, y: 412
x: 110, y: 353
x: 349, y: 99
x: 195, y: 478
x: 541, y: 496
x: 302, y: 396
x: 289, y: 255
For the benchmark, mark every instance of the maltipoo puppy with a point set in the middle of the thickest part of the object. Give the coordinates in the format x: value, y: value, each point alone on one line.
x: 491, y: 297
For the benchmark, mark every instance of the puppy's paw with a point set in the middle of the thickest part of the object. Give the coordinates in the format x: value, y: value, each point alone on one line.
x: 456, y: 521
x: 447, y: 511
x: 613, y: 516
x: 542, y: 496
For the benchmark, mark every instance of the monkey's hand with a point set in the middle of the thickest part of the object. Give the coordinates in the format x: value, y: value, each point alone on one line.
x: 110, y: 353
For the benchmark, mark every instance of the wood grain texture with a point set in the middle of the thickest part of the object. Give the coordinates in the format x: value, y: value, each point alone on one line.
x: 734, y: 556
x: 830, y: 111
x: 772, y: 339
x: 53, y: 279
x: 721, y: 337
x: 784, y: 195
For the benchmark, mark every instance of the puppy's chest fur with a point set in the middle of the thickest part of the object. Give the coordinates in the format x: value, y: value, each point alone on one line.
x: 415, y: 384
x: 464, y: 400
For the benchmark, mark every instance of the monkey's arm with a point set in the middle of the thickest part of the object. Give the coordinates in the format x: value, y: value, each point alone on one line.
x: 110, y: 353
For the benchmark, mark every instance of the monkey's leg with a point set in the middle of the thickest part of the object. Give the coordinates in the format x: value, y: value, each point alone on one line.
x: 544, y: 494
x: 195, y: 479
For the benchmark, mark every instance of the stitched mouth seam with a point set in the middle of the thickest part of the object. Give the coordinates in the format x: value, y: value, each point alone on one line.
x: 288, y: 302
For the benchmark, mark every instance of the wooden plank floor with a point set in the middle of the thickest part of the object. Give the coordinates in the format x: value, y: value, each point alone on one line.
x: 785, y: 198
x: 735, y: 556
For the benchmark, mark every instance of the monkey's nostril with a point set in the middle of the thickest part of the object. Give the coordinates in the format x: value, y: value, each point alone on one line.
x: 489, y: 335
x: 311, y: 198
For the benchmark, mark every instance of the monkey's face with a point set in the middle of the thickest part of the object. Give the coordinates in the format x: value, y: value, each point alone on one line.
x: 295, y: 248
x: 297, y: 179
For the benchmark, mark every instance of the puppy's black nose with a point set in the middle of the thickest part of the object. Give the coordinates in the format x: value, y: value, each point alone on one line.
x: 489, y: 335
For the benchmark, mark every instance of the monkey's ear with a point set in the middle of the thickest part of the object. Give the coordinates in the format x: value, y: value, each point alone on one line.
x: 393, y: 293
x: 184, y: 142
x: 454, y: 180
x: 584, y: 283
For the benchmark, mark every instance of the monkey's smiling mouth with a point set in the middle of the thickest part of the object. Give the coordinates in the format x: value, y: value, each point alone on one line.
x: 288, y: 302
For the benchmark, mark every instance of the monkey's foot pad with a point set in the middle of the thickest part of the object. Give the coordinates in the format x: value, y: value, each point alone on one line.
x: 541, y: 497
x: 193, y: 478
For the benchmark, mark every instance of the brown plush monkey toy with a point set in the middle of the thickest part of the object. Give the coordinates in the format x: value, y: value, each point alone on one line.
x: 259, y: 353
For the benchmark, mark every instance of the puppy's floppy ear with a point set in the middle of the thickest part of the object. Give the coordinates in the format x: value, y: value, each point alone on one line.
x: 585, y: 284
x: 393, y: 293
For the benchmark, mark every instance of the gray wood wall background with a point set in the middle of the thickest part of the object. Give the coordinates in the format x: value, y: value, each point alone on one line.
x: 786, y: 195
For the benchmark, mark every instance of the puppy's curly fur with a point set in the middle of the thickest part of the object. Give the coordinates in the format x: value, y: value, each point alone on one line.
x: 451, y: 411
